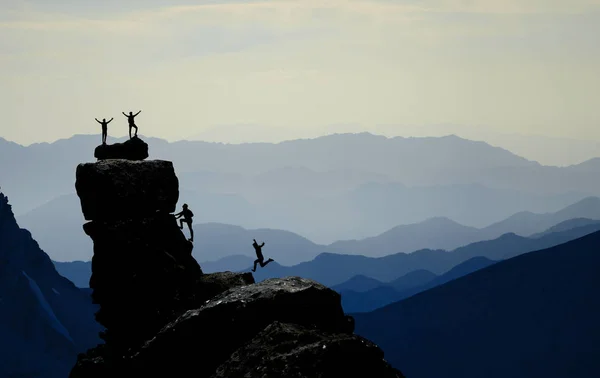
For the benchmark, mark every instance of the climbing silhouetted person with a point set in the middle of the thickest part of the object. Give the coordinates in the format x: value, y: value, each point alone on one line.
x: 187, y: 218
x: 131, y: 120
x: 261, y: 258
x: 104, y: 124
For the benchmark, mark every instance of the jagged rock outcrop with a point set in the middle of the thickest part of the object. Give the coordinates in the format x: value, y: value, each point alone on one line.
x: 231, y: 319
x: 165, y: 317
x: 211, y: 285
x: 142, y: 269
x: 291, y: 350
x: 123, y: 189
x: 45, y: 320
x: 132, y: 149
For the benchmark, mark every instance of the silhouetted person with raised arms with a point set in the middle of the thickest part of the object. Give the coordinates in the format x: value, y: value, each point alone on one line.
x: 187, y: 218
x: 104, y: 124
x: 261, y: 258
x: 131, y: 120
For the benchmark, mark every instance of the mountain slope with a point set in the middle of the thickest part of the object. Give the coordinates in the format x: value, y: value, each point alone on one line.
x: 535, y: 315
x: 356, y: 302
x: 358, y: 284
x: 45, y: 321
x: 435, y: 233
x: 227, y: 264
x: 527, y: 223
x: 567, y: 225
x: 443, y: 233
x: 78, y: 272
x: 334, y: 269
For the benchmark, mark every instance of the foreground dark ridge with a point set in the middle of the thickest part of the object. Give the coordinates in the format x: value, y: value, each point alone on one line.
x: 163, y: 315
x: 535, y: 315
x: 45, y: 321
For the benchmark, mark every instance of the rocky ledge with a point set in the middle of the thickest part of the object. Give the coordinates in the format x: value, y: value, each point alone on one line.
x: 290, y: 327
x: 132, y: 149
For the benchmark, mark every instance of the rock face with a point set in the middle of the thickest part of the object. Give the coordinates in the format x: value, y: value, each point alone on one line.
x: 142, y: 274
x: 123, y: 189
x: 165, y: 317
x: 231, y: 319
x: 290, y: 350
x: 142, y: 269
x: 132, y: 149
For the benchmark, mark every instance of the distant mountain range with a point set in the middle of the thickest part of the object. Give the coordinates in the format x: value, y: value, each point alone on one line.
x: 535, y: 315
x: 334, y: 269
x: 443, y: 233
x: 45, y: 320
x: 337, y: 187
x: 404, y: 287
x: 58, y: 228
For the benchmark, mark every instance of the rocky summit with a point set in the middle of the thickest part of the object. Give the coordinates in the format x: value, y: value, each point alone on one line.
x: 165, y: 317
x: 132, y: 149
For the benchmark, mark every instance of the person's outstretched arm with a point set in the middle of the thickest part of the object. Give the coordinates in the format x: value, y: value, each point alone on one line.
x: 109, y: 121
x: 97, y: 120
x: 263, y: 244
x: 178, y: 215
x: 125, y: 114
x: 137, y: 113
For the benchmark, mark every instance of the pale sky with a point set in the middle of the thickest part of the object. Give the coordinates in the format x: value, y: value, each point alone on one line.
x: 298, y: 67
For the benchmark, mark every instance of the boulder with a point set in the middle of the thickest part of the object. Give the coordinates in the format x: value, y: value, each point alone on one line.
x: 211, y: 285
x: 124, y: 189
x: 290, y: 350
x: 132, y: 149
x: 228, y: 321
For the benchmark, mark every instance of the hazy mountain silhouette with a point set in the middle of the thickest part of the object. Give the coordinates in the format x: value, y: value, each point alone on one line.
x: 362, y: 284
x: 356, y: 302
x: 535, y: 315
x: 412, y: 279
x: 358, y: 284
x: 329, y: 188
x: 590, y: 166
x: 436, y: 233
x: 78, y: 272
x: 216, y: 241
x: 45, y: 320
x: 233, y: 263
x: 526, y: 223
x: 567, y: 225
x: 334, y: 269
x: 57, y: 226
x: 443, y: 233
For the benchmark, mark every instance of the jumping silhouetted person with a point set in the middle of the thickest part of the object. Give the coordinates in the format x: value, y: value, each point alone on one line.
x: 187, y: 218
x: 261, y: 258
x: 131, y: 120
x: 104, y: 124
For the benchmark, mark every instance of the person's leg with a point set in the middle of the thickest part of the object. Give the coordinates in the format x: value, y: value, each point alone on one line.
x: 255, y: 262
x: 135, y: 127
x: 181, y: 224
x: 267, y: 263
x: 129, y: 131
x: 191, y: 231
